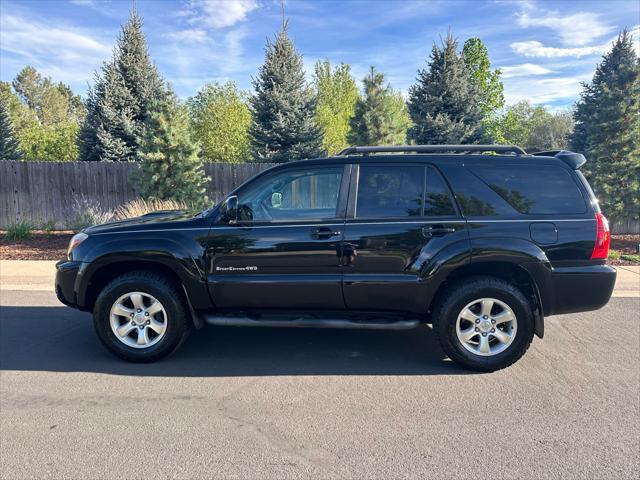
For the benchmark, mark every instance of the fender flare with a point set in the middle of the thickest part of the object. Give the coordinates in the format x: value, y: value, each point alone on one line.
x: 166, y: 252
x: 522, y: 254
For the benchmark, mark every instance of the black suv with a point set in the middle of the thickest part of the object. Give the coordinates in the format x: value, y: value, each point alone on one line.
x: 480, y: 241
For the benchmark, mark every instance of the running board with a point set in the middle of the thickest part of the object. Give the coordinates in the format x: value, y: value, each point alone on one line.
x: 233, y: 321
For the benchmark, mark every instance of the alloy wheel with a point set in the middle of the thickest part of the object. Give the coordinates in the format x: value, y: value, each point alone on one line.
x: 138, y: 320
x: 486, y: 326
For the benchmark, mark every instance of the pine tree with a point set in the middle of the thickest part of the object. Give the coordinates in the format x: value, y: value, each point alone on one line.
x: 337, y: 98
x: 118, y: 103
x: 381, y: 116
x: 608, y: 130
x: 445, y: 105
x: 284, y: 127
x: 9, y: 145
x: 170, y: 168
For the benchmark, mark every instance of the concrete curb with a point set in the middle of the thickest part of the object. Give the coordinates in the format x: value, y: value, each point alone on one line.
x: 38, y: 275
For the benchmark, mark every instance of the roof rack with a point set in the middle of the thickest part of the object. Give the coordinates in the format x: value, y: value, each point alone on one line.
x: 574, y: 160
x: 433, y: 149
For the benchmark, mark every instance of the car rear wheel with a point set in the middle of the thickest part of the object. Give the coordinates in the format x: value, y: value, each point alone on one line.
x: 141, y: 317
x: 484, y: 323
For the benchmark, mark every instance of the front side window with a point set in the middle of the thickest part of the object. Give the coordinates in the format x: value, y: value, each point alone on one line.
x: 296, y: 195
x: 386, y: 191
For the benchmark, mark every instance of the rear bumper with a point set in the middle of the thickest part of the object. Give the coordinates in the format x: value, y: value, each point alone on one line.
x: 578, y: 289
x: 66, y: 276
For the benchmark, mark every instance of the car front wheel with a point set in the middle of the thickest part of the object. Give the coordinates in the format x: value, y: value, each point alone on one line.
x: 141, y: 317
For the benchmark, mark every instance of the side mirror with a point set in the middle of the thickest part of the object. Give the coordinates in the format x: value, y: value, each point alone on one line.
x: 230, y: 210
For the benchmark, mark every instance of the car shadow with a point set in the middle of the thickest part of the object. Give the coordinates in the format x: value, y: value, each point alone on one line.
x: 60, y: 339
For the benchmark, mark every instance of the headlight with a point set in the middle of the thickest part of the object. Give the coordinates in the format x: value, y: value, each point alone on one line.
x: 76, y: 240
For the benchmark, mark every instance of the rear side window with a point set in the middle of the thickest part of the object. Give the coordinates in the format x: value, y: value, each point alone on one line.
x: 386, y: 191
x: 437, y: 202
x: 529, y: 189
x: 475, y: 198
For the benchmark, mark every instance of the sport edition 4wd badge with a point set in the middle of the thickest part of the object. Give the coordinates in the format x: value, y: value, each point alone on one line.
x: 248, y: 268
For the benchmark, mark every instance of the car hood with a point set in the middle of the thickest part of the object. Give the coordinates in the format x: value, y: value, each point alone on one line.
x: 150, y: 221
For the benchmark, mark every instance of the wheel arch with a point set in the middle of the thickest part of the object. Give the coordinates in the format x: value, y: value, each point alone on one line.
x: 95, y: 279
x: 513, y: 273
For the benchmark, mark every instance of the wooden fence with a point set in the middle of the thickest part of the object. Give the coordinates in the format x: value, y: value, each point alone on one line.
x: 39, y: 192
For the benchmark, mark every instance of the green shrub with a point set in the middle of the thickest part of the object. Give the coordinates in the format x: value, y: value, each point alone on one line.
x: 614, y: 255
x: 48, y: 226
x: 19, y: 231
x: 631, y: 258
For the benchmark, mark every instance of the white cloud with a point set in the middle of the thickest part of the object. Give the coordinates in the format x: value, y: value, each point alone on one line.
x: 83, y: 3
x: 218, y: 13
x: 544, y: 90
x: 193, y: 35
x: 220, y: 57
x: 67, y: 54
x: 533, y: 48
x: 574, y: 30
x: 525, y: 69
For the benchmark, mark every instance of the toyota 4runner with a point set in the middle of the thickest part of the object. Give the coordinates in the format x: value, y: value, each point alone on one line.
x: 482, y: 242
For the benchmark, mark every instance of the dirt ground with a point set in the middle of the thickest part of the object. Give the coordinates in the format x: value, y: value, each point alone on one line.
x: 41, y: 246
x: 53, y: 246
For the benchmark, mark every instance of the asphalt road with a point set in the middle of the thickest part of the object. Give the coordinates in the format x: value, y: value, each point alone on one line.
x: 267, y: 403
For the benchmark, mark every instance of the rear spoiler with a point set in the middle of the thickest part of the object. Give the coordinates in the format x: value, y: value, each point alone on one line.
x: 574, y: 160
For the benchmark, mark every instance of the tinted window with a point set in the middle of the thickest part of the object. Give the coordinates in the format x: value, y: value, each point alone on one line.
x: 437, y: 202
x: 390, y: 191
x: 543, y: 189
x: 475, y: 198
x: 292, y: 195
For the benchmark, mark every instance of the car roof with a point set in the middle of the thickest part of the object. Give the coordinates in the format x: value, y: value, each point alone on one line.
x: 441, y: 159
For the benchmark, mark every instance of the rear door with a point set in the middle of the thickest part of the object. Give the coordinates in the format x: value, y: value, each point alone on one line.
x: 400, y: 215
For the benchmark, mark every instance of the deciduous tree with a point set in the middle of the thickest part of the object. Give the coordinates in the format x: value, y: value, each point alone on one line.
x: 534, y: 127
x: 220, y: 120
x: 337, y: 98
x: 52, y: 103
x: 44, y: 115
x: 487, y: 82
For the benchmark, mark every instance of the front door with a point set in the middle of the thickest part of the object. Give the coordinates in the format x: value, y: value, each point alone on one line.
x: 400, y: 217
x: 285, y: 250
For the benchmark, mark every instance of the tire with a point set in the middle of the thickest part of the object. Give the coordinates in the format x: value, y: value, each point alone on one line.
x: 172, y: 320
x: 458, y: 316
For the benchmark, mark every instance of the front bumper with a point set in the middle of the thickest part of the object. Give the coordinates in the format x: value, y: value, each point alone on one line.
x: 579, y: 289
x: 66, y: 276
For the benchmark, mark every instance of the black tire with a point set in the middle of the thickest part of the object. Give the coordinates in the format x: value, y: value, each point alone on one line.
x: 456, y: 297
x: 166, y: 292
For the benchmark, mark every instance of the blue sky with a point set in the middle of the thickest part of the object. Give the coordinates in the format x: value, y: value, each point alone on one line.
x: 545, y: 48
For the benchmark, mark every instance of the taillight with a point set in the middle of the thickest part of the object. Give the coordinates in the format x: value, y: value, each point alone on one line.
x: 603, y: 238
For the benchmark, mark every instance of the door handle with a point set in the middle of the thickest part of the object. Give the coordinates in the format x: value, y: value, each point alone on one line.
x: 436, y: 231
x: 321, y: 233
